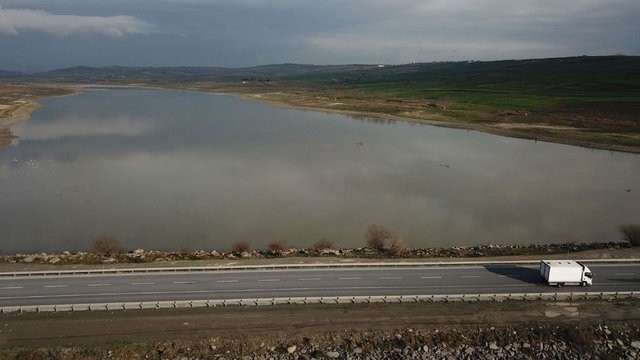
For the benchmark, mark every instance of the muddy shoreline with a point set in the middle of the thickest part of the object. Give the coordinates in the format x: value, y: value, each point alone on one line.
x: 19, y: 101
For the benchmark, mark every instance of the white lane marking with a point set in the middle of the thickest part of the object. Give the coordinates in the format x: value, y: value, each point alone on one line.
x: 309, y: 279
x: 350, y: 278
x: 624, y: 274
x: 268, y: 280
x: 143, y: 283
x: 390, y: 278
x: 184, y: 282
x: 470, y: 276
x: 11, y: 287
x: 55, y: 286
x: 430, y: 277
x: 227, y: 281
x: 99, y: 285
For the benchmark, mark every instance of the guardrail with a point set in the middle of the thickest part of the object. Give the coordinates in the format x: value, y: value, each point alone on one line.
x: 216, y: 303
x: 142, y: 270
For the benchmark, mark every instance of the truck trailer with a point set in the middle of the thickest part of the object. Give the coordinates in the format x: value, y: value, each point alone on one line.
x: 565, y: 272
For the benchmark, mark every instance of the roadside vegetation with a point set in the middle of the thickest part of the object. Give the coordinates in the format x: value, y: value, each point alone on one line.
x: 380, y: 243
x: 631, y: 233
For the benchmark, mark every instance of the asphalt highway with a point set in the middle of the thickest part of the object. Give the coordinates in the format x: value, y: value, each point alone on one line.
x: 253, y: 284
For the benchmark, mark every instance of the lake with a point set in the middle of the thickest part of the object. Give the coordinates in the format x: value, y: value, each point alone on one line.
x: 168, y: 170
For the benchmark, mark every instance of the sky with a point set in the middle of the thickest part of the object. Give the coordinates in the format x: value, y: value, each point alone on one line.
x: 40, y: 35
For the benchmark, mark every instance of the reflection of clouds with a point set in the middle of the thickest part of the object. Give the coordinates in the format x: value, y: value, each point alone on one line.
x: 298, y: 176
x: 79, y: 127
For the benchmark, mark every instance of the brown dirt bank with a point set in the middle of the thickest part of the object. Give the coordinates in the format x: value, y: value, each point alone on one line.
x: 316, y: 330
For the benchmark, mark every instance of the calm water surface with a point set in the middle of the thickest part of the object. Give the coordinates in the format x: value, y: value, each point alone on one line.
x: 163, y: 169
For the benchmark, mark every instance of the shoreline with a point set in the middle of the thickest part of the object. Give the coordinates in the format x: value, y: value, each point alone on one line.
x: 563, y: 135
x: 21, y: 113
x: 22, y: 102
x: 506, y: 129
x: 119, y: 257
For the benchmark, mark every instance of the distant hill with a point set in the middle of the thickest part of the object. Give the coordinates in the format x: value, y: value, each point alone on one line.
x: 126, y: 74
x: 4, y: 74
x: 579, y: 71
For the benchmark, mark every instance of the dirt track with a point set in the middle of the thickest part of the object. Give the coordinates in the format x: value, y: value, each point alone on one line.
x: 133, y: 326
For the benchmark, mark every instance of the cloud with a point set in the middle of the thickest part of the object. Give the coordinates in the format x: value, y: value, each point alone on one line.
x: 13, y: 21
x: 401, y: 50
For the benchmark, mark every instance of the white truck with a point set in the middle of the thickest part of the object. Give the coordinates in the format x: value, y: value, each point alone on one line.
x: 565, y: 272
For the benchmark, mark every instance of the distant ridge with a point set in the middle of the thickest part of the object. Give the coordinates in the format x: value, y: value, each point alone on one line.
x: 547, y: 71
x: 11, y: 74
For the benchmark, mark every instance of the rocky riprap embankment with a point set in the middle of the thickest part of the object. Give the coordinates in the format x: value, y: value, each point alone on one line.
x: 524, y: 341
x: 145, y: 256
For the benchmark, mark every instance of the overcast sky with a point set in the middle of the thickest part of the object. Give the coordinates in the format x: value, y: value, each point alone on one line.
x: 38, y: 35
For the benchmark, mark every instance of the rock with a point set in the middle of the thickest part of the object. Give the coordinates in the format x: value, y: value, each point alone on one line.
x: 54, y: 260
x: 138, y: 251
x: 29, y: 259
x: 291, y: 349
x: 333, y: 354
x: 357, y: 350
x: 619, y: 342
x: 470, y: 350
x: 66, y: 253
x: 526, y: 345
x: 493, y: 346
x: 425, y: 348
x: 635, y: 344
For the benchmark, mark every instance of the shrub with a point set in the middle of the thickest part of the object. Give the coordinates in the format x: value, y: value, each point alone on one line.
x: 380, y: 237
x: 277, y: 246
x: 30, y: 355
x: 322, y: 244
x: 631, y: 233
x: 397, y: 246
x: 107, y: 245
x: 240, y: 247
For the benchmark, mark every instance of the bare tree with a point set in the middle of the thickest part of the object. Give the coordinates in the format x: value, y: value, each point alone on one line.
x: 277, y: 246
x: 380, y: 237
x: 631, y: 233
x: 397, y: 246
x: 322, y: 244
x: 107, y: 245
x: 240, y: 247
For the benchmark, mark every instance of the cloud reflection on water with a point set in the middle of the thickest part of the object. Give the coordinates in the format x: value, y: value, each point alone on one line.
x: 227, y: 170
